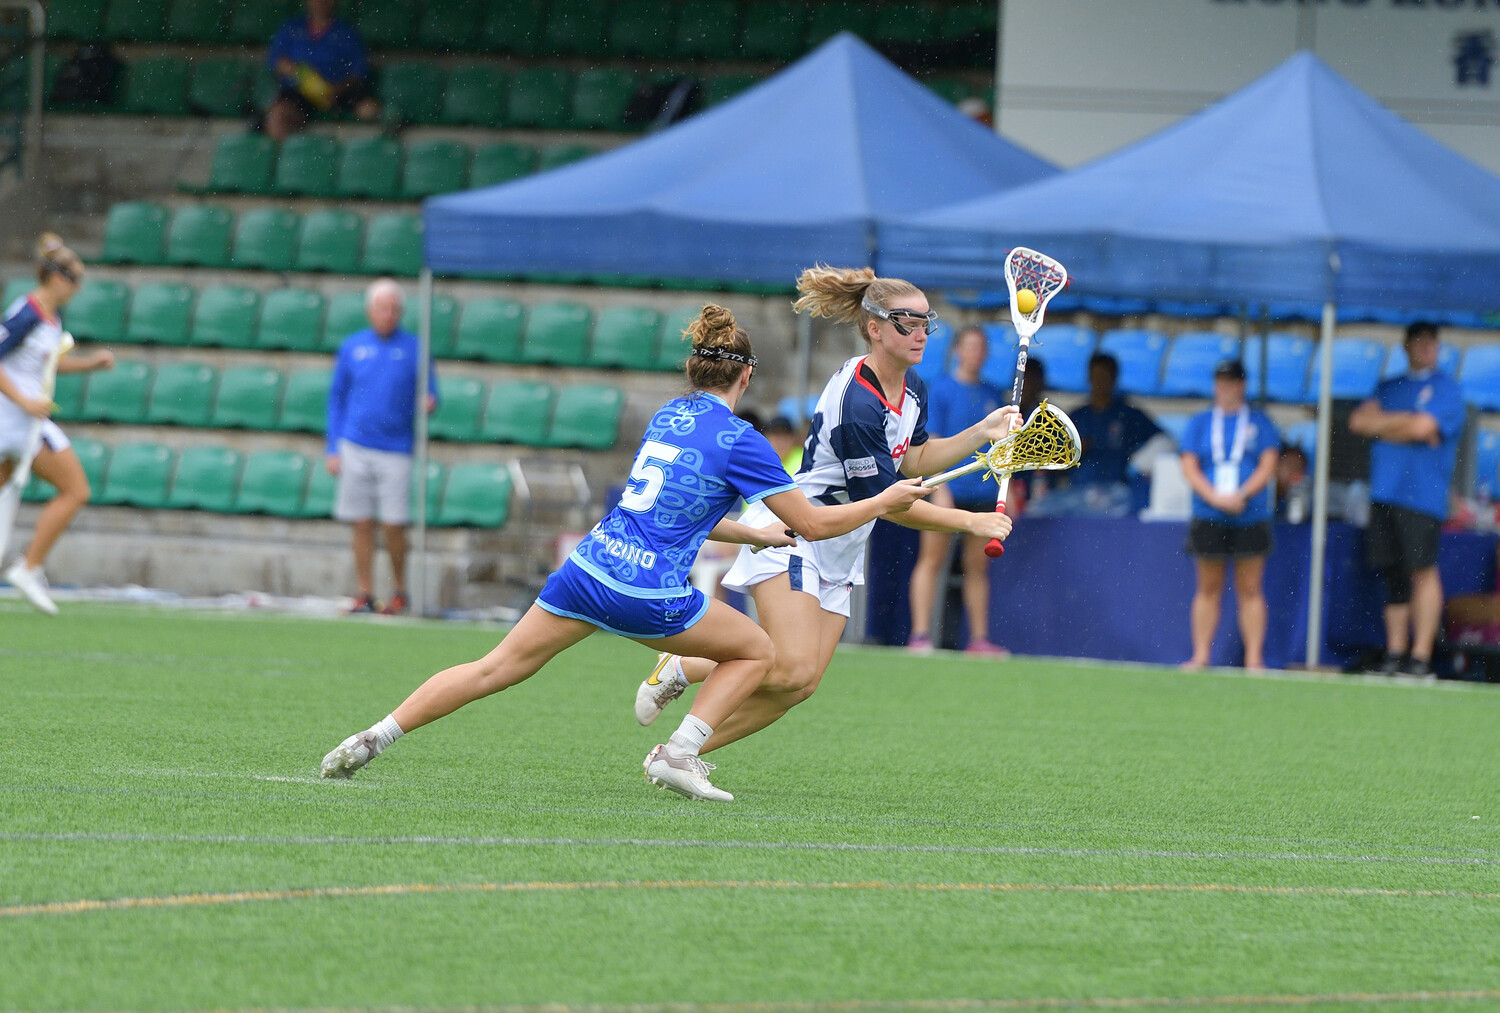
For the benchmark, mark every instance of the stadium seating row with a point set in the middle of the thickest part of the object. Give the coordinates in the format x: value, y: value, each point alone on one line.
x: 556, y: 333
x: 280, y: 483
x: 376, y: 168
x: 773, y: 30
x: 1154, y: 365
x: 263, y: 398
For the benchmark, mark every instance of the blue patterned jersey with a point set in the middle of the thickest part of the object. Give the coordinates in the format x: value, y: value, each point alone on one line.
x: 696, y: 460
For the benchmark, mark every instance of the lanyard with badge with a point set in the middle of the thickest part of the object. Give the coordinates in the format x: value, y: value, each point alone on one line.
x: 1227, y: 469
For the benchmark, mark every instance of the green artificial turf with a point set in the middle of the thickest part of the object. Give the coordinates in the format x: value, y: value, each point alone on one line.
x: 939, y: 833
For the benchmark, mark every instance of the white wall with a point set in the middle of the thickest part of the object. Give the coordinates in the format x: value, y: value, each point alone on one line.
x: 1082, y: 78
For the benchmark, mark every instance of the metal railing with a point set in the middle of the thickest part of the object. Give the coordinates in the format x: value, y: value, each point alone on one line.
x: 23, y: 28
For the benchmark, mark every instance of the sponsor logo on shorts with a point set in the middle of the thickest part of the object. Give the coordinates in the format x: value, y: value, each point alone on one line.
x: 861, y: 467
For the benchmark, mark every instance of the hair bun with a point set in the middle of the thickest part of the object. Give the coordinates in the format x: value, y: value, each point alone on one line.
x: 48, y: 243
x: 713, y: 327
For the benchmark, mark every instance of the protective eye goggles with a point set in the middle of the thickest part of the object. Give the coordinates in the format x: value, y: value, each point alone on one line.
x: 905, y: 321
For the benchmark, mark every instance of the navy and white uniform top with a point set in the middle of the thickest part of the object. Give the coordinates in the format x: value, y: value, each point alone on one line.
x: 28, y: 336
x: 696, y: 461
x: 855, y: 445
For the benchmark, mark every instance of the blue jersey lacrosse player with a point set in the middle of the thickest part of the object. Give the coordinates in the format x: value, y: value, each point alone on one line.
x: 629, y: 575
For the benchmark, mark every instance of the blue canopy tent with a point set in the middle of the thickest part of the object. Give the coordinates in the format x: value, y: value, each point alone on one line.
x: 1299, y: 187
x: 796, y: 170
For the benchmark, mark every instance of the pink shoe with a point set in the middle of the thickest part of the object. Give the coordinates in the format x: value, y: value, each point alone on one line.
x: 919, y: 644
x: 985, y: 647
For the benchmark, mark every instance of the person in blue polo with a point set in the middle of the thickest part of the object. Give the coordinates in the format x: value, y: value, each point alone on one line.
x: 1229, y: 455
x: 1415, y: 421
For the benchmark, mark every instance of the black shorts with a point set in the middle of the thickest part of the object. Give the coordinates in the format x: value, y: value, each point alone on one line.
x: 345, y: 101
x: 1213, y: 540
x: 1401, y: 539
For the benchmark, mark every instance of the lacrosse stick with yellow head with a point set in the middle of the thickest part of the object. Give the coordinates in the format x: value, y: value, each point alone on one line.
x: 1047, y: 442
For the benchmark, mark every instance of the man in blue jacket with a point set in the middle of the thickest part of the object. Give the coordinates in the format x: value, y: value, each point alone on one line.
x: 371, y: 423
x: 1415, y: 421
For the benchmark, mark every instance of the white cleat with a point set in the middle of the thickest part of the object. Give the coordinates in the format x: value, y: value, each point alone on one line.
x: 655, y: 693
x: 351, y: 754
x: 686, y: 775
x: 32, y: 584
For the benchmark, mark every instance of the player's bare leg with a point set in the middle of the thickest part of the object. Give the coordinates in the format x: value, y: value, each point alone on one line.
x: 1204, y: 617
x: 1249, y: 576
x: 1426, y: 611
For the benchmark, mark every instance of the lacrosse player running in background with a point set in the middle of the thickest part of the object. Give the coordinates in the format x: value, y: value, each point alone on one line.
x: 869, y: 429
x: 31, y: 337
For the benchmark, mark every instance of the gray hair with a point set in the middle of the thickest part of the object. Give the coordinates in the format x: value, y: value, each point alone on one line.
x: 384, y: 286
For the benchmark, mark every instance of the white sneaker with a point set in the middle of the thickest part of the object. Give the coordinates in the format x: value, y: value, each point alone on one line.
x: 32, y: 584
x: 653, y: 695
x: 686, y: 775
x: 351, y: 754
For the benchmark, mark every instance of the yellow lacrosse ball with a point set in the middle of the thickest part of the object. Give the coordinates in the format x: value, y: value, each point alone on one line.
x: 1025, y: 300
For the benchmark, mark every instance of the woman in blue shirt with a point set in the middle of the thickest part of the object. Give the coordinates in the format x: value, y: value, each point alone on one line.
x: 1229, y: 457
x: 629, y: 575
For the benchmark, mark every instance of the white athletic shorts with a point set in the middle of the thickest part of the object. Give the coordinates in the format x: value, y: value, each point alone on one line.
x: 15, y: 432
x: 373, y: 484
x: 753, y: 567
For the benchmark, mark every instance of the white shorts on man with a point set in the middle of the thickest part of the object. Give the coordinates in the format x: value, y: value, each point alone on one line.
x: 373, y: 485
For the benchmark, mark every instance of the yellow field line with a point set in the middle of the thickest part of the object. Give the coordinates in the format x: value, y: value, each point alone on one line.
x: 73, y: 907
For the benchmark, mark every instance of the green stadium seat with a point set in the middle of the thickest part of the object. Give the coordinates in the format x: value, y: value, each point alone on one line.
x: 249, y: 398
x: 444, y: 322
x: 161, y: 313
x: 642, y: 28
x: 626, y: 336
x: 117, y: 395
x: 137, y: 476
x: 97, y: 312
x: 307, y: 165
x: 671, y: 350
x: 586, y: 416
x: 243, y: 163
x: 329, y: 241
x: 346, y: 316
x: 559, y: 155
x: 304, y: 409
x: 952, y: 90
x: 15, y: 288
x: 501, y: 163
x: 557, y: 333
x: 78, y: 20
x: 394, y: 245
x: 434, y: 167
x: 195, y: 21
x: 255, y: 21
x: 199, y: 237
x: 135, y: 20
x: 221, y: 86
x: 94, y: 456
x: 413, y: 91
x: 225, y: 317
x: 540, y: 97
x: 134, y: 233
x: 577, y: 27
x: 447, y: 26
x: 322, y: 490
x: 518, y: 411
x: 459, y: 401
x: 723, y: 87
x: 156, y: 86
x: 825, y: 20
x: 272, y: 483
x: 900, y: 24
x: 476, y: 495
x: 490, y: 330
x: 600, y: 98
x: 266, y: 239
x: 182, y: 394
x: 387, y: 25
x: 436, y: 478
x: 773, y: 30
x: 515, y: 27
x: 206, y: 479
x: 369, y: 167
x: 708, y: 29
x: 68, y: 396
x: 291, y: 319
x: 475, y: 96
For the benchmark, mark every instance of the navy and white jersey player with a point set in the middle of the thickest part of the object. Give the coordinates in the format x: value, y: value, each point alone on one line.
x: 31, y: 334
x: 869, y: 429
x: 629, y: 575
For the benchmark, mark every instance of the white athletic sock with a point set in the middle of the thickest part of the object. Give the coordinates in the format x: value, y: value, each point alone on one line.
x: 386, y: 731
x: 689, y: 737
x: 675, y: 668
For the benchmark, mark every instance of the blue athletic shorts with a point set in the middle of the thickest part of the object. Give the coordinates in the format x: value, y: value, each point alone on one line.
x: 574, y: 593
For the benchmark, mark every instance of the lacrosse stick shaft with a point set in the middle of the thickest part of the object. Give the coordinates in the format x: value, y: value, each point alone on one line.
x: 942, y: 478
x: 994, y: 549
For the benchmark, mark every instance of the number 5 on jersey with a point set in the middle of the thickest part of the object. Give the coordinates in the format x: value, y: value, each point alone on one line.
x: 647, y: 470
